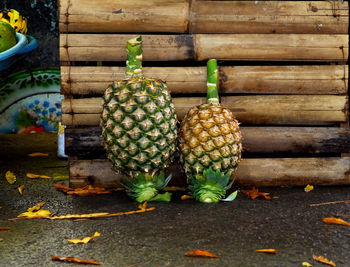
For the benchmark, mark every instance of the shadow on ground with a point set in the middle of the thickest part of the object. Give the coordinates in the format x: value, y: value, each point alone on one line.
x: 161, y: 237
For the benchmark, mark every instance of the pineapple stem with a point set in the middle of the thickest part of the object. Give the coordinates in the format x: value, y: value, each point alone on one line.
x: 134, y: 57
x: 212, y: 82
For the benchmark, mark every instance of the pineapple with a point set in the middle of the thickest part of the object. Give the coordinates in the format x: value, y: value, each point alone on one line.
x: 210, y: 144
x: 139, y: 127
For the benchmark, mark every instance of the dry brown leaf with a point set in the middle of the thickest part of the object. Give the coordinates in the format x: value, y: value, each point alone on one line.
x: 335, y: 221
x: 21, y: 189
x: 185, y: 197
x: 267, y: 250
x: 10, y: 177
x: 38, y: 154
x: 323, y: 260
x: 87, y: 190
x: 36, y: 176
x: 84, y: 240
x: 201, y: 253
x: 75, y: 260
x: 254, y: 193
x: 4, y: 228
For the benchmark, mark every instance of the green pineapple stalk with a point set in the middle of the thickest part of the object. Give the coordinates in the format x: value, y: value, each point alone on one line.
x: 139, y: 128
x: 210, y: 144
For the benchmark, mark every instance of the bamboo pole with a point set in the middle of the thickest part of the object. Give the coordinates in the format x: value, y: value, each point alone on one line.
x: 314, y: 79
x: 203, y: 16
x: 86, y: 142
x: 264, y: 47
x: 250, y: 172
x: 123, y: 16
x: 317, y: 17
x: 254, y: 109
x: 273, y: 47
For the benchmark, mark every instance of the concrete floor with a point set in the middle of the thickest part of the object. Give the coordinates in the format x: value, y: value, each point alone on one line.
x: 161, y: 237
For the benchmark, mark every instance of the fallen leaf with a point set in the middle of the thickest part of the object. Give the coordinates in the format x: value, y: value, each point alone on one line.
x: 305, y: 263
x: 329, y: 203
x: 38, y: 154
x: 84, y: 240
x: 267, y: 250
x: 60, y: 177
x: 36, y: 207
x: 20, y: 189
x: 87, y: 190
x: 338, y: 214
x: 35, y: 176
x: 4, y: 228
x: 40, y: 214
x: 185, y: 197
x: 201, y: 253
x: 10, y: 177
x: 309, y: 188
x: 1, y: 239
x: 75, y: 260
x: 323, y: 260
x: 335, y: 221
x: 254, y: 193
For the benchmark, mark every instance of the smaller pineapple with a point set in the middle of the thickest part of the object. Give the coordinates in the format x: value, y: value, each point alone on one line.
x: 210, y: 144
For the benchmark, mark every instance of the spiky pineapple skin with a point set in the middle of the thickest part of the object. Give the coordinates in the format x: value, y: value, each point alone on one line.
x: 138, y: 124
x: 209, y: 136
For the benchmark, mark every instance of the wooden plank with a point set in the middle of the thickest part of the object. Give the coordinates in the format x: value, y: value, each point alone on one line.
x: 206, y: 16
x: 313, y: 79
x: 254, y: 109
x: 250, y: 172
x: 87, y: 142
x: 273, y: 47
x: 111, y: 47
x: 123, y: 16
x: 264, y: 47
x: 316, y: 17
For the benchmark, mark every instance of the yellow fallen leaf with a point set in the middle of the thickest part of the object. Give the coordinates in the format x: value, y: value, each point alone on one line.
x: 84, y: 240
x: 267, y: 250
x: 20, y: 189
x: 305, y: 263
x: 324, y: 260
x: 38, y: 154
x: 75, y: 260
x: 36, y: 207
x: 10, y: 177
x: 35, y: 176
x: 308, y: 188
x: 185, y: 197
x: 35, y: 214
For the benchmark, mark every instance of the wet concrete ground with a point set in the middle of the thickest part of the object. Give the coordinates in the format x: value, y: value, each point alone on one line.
x: 161, y: 237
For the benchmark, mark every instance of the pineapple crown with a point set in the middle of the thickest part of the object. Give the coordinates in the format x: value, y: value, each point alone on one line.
x: 145, y: 186
x: 212, y: 82
x: 134, y: 57
x: 210, y: 186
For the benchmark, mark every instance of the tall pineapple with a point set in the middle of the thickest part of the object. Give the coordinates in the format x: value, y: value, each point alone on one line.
x: 139, y: 127
x: 210, y: 144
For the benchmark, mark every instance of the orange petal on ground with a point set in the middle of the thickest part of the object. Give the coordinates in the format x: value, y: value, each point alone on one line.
x: 76, y: 260
x: 4, y: 228
x: 20, y: 189
x: 254, y: 193
x: 323, y: 260
x: 84, y: 240
x: 185, y: 197
x: 267, y: 250
x: 200, y: 253
x: 335, y: 221
x: 38, y: 154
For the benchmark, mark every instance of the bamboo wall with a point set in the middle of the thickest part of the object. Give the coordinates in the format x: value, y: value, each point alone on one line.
x: 283, y: 72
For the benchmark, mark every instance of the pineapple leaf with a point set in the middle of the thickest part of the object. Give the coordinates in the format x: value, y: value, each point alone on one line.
x: 165, y: 197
